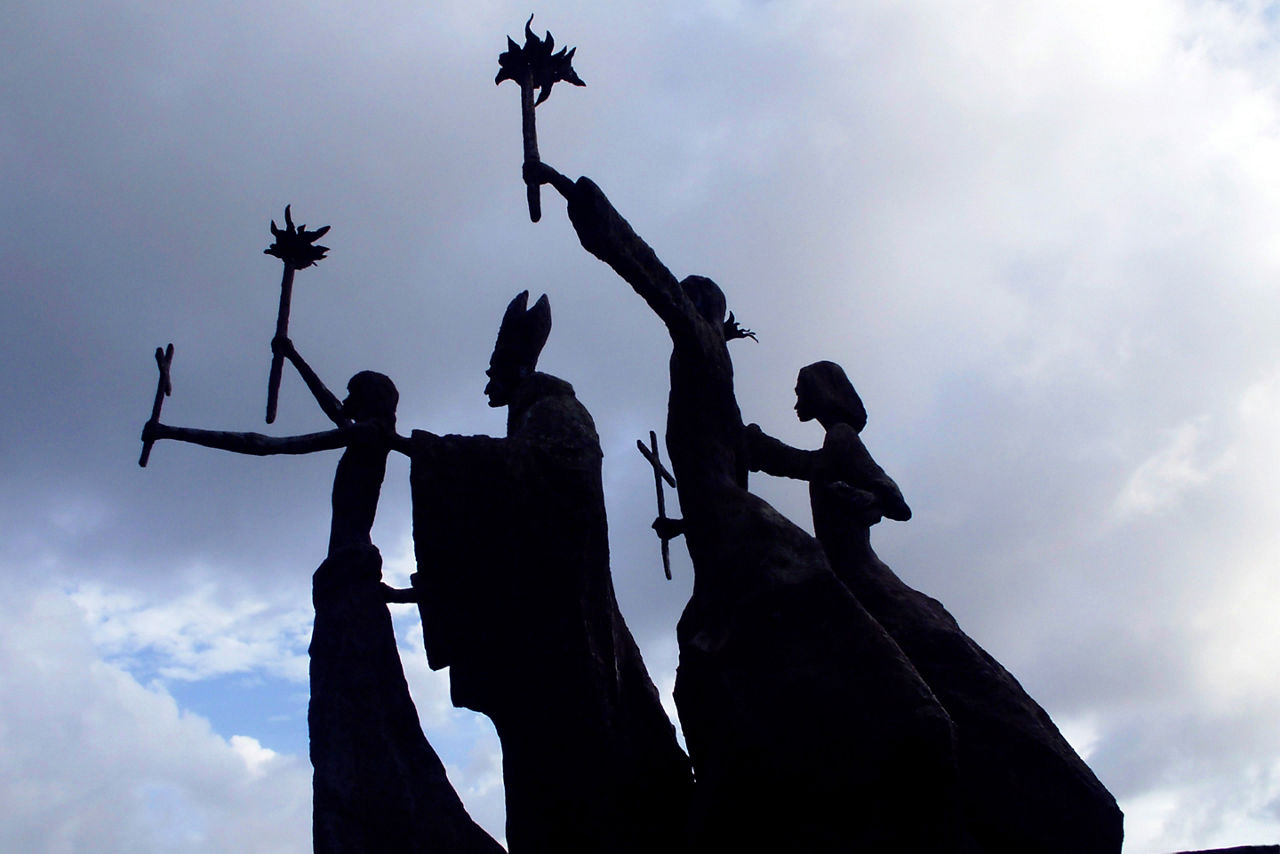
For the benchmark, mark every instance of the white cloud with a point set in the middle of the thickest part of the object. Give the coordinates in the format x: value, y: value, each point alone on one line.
x: 201, y: 633
x: 256, y: 757
x: 1162, y: 478
x: 466, y: 742
x: 478, y: 780
x: 208, y: 633
x: 92, y: 760
x: 1215, y: 810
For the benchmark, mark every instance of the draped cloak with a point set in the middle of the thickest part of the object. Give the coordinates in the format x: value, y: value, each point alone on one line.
x: 517, y: 600
x: 808, y: 728
x: 1025, y: 790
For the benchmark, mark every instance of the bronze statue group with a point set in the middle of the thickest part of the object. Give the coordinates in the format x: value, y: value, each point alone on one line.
x: 826, y: 705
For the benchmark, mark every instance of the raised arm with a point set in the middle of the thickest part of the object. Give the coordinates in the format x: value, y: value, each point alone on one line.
x: 254, y: 444
x: 328, y: 401
x: 605, y: 234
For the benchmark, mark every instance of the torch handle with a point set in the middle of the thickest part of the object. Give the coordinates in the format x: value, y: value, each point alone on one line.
x: 282, y: 329
x: 529, y: 131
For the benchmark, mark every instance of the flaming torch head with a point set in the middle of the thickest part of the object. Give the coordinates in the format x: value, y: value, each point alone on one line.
x: 535, y: 65
x: 294, y: 245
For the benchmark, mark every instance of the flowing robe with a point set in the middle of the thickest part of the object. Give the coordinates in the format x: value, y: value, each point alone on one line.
x: 377, y: 783
x: 517, y: 600
x: 808, y: 728
x: 1025, y: 789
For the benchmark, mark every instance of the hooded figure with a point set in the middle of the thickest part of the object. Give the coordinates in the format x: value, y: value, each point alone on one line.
x: 1024, y: 788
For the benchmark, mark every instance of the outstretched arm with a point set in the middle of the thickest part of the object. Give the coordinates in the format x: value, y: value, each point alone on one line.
x: 254, y: 444
x: 328, y: 400
x: 859, y: 483
x: 605, y: 234
x: 771, y: 456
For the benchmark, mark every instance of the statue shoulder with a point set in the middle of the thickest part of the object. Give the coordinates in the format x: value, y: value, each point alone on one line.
x: 548, y: 412
x: 841, y: 436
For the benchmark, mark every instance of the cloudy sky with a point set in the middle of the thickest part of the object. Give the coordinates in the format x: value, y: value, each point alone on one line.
x: 1040, y: 238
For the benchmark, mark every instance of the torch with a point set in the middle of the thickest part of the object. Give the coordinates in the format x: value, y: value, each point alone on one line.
x: 293, y: 245
x: 534, y: 66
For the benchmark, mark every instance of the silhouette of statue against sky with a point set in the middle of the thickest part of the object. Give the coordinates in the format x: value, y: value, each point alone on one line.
x: 845, y: 484
x: 378, y: 784
x: 365, y: 425
x: 1024, y: 787
x: 517, y: 600
x: 808, y: 728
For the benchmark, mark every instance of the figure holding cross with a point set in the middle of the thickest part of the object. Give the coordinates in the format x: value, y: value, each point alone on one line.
x: 365, y: 425
x: 164, y: 388
x: 378, y: 784
x: 800, y: 712
x: 667, y: 528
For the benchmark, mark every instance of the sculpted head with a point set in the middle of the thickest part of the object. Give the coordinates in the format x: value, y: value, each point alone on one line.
x: 521, y: 337
x: 825, y: 393
x: 371, y: 395
x: 707, y: 298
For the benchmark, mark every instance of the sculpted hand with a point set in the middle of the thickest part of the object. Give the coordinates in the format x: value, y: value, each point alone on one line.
x: 153, y: 430
x: 535, y: 171
x: 733, y: 329
x: 860, y: 501
x: 395, y: 594
x: 668, y: 529
x: 281, y: 345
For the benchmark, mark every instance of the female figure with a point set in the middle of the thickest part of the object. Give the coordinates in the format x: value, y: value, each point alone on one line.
x: 807, y: 727
x: 378, y: 784
x: 365, y: 424
x: 1024, y: 787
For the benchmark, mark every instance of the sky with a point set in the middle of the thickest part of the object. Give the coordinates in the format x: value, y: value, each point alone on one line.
x: 1038, y: 236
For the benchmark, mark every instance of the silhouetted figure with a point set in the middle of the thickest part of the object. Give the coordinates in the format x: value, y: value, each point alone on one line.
x: 378, y: 785
x: 1025, y: 789
x: 808, y: 728
x: 365, y: 427
x: 845, y: 483
x: 517, y: 600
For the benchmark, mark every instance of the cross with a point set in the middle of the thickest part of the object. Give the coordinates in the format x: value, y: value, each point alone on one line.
x: 660, y: 474
x: 164, y: 388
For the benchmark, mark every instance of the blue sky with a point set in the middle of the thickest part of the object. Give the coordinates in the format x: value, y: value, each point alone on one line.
x: 1039, y: 237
